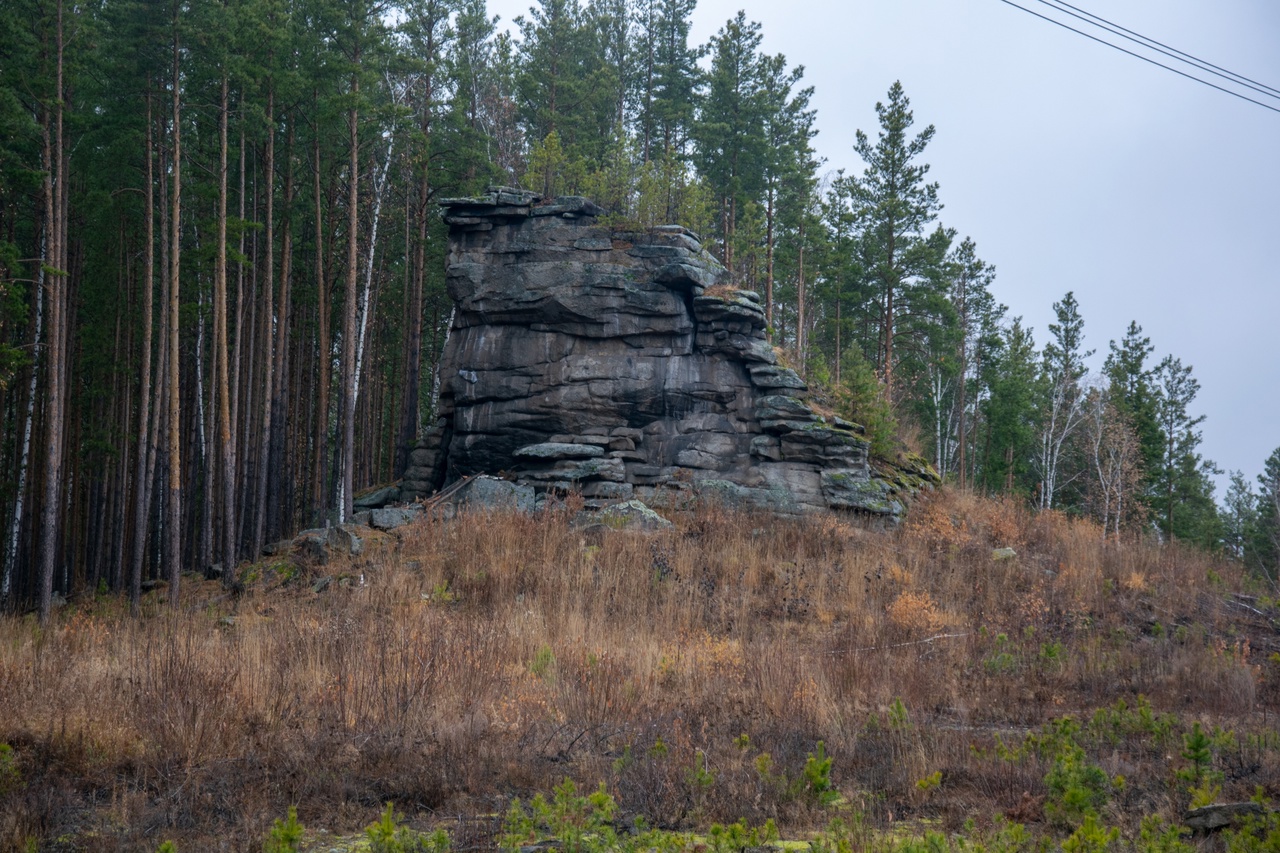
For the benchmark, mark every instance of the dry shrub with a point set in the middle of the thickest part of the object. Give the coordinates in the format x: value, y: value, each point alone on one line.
x: 916, y: 612
x: 949, y: 521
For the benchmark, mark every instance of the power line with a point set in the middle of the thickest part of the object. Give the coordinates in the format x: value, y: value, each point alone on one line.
x: 1160, y: 47
x: 1143, y: 58
x: 1204, y: 63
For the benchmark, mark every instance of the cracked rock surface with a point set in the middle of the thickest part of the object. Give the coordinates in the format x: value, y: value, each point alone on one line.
x: 616, y: 363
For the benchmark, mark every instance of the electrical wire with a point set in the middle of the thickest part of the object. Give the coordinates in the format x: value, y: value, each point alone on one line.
x: 1160, y: 47
x: 1265, y: 106
x: 1204, y: 63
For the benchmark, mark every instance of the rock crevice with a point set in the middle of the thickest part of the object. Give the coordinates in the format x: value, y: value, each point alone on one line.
x: 616, y: 363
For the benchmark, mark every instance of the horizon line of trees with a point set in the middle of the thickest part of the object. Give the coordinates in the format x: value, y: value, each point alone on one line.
x: 222, y: 283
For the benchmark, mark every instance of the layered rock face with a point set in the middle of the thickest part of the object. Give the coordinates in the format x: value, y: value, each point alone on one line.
x: 615, y: 363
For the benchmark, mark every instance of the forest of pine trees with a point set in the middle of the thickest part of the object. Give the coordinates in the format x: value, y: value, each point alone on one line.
x: 221, y: 269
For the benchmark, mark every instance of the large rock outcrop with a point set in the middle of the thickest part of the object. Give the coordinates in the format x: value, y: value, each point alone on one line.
x: 616, y: 363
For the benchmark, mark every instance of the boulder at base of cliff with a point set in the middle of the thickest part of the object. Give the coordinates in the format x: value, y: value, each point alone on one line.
x: 484, y: 493
x: 630, y: 516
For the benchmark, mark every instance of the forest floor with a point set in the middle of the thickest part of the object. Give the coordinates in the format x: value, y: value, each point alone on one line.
x: 915, y: 684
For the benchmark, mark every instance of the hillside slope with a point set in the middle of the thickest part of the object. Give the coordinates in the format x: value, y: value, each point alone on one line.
x: 693, y: 672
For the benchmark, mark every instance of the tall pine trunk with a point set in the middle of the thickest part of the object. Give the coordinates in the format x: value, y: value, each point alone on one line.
x: 233, y: 524
x: 268, y: 368
x: 345, y: 499
x: 768, y: 293
x: 174, y: 531
x: 410, y: 416
x: 320, y: 494
x: 226, y: 453
x: 275, y: 456
x: 56, y: 285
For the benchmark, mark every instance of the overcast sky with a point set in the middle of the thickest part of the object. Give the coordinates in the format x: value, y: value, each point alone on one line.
x: 1076, y: 167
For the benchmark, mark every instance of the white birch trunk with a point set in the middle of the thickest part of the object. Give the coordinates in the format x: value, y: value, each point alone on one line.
x: 379, y: 187
x: 11, y: 553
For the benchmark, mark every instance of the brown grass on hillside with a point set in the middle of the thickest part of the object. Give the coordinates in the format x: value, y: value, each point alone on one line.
x: 467, y: 662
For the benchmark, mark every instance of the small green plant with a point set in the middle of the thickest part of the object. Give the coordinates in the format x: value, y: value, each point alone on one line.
x: 1002, y: 660
x: 544, y: 662
x: 1077, y: 790
x: 700, y: 775
x: 1156, y: 836
x: 1008, y: 837
x: 622, y: 762
x: 441, y: 593
x: 1010, y: 754
x: 1091, y: 837
x: 817, y: 774
x: 930, y: 782
x: 899, y: 720
x: 388, y: 835
x: 1052, y: 655
x: 739, y: 836
x: 842, y: 836
x: 764, y: 767
x: 1120, y: 721
x: 1255, y: 834
x: 578, y: 824
x: 1198, y: 750
x: 10, y: 776
x: 285, y: 835
x: 1205, y: 794
x: 167, y: 847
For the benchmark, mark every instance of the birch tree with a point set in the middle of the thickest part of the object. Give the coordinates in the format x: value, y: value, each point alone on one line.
x: 1115, y: 456
x: 1064, y: 371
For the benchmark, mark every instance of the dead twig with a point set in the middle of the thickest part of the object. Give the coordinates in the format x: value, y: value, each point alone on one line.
x: 903, y: 645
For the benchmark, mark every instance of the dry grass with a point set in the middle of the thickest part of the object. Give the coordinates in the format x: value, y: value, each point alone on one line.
x: 468, y: 662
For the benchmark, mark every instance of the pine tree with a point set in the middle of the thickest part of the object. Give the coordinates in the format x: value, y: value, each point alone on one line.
x: 1182, y: 488
x: 789, y: 163
x: 173, y: 497
x: 1241, y: 514
x: 975, y: 311
x: 729, y: 136
x: 842, y: 276
x: 1009, y: 413
x: 429, y: 38
x: 677, y: 77
x: 611, y: 21
x: 1129, y: 377
x: 564, y: 87
x: 1267, y: 542
x: 895, y: 205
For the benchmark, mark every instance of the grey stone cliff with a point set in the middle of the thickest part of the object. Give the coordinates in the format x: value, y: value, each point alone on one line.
x: 615, y: 363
